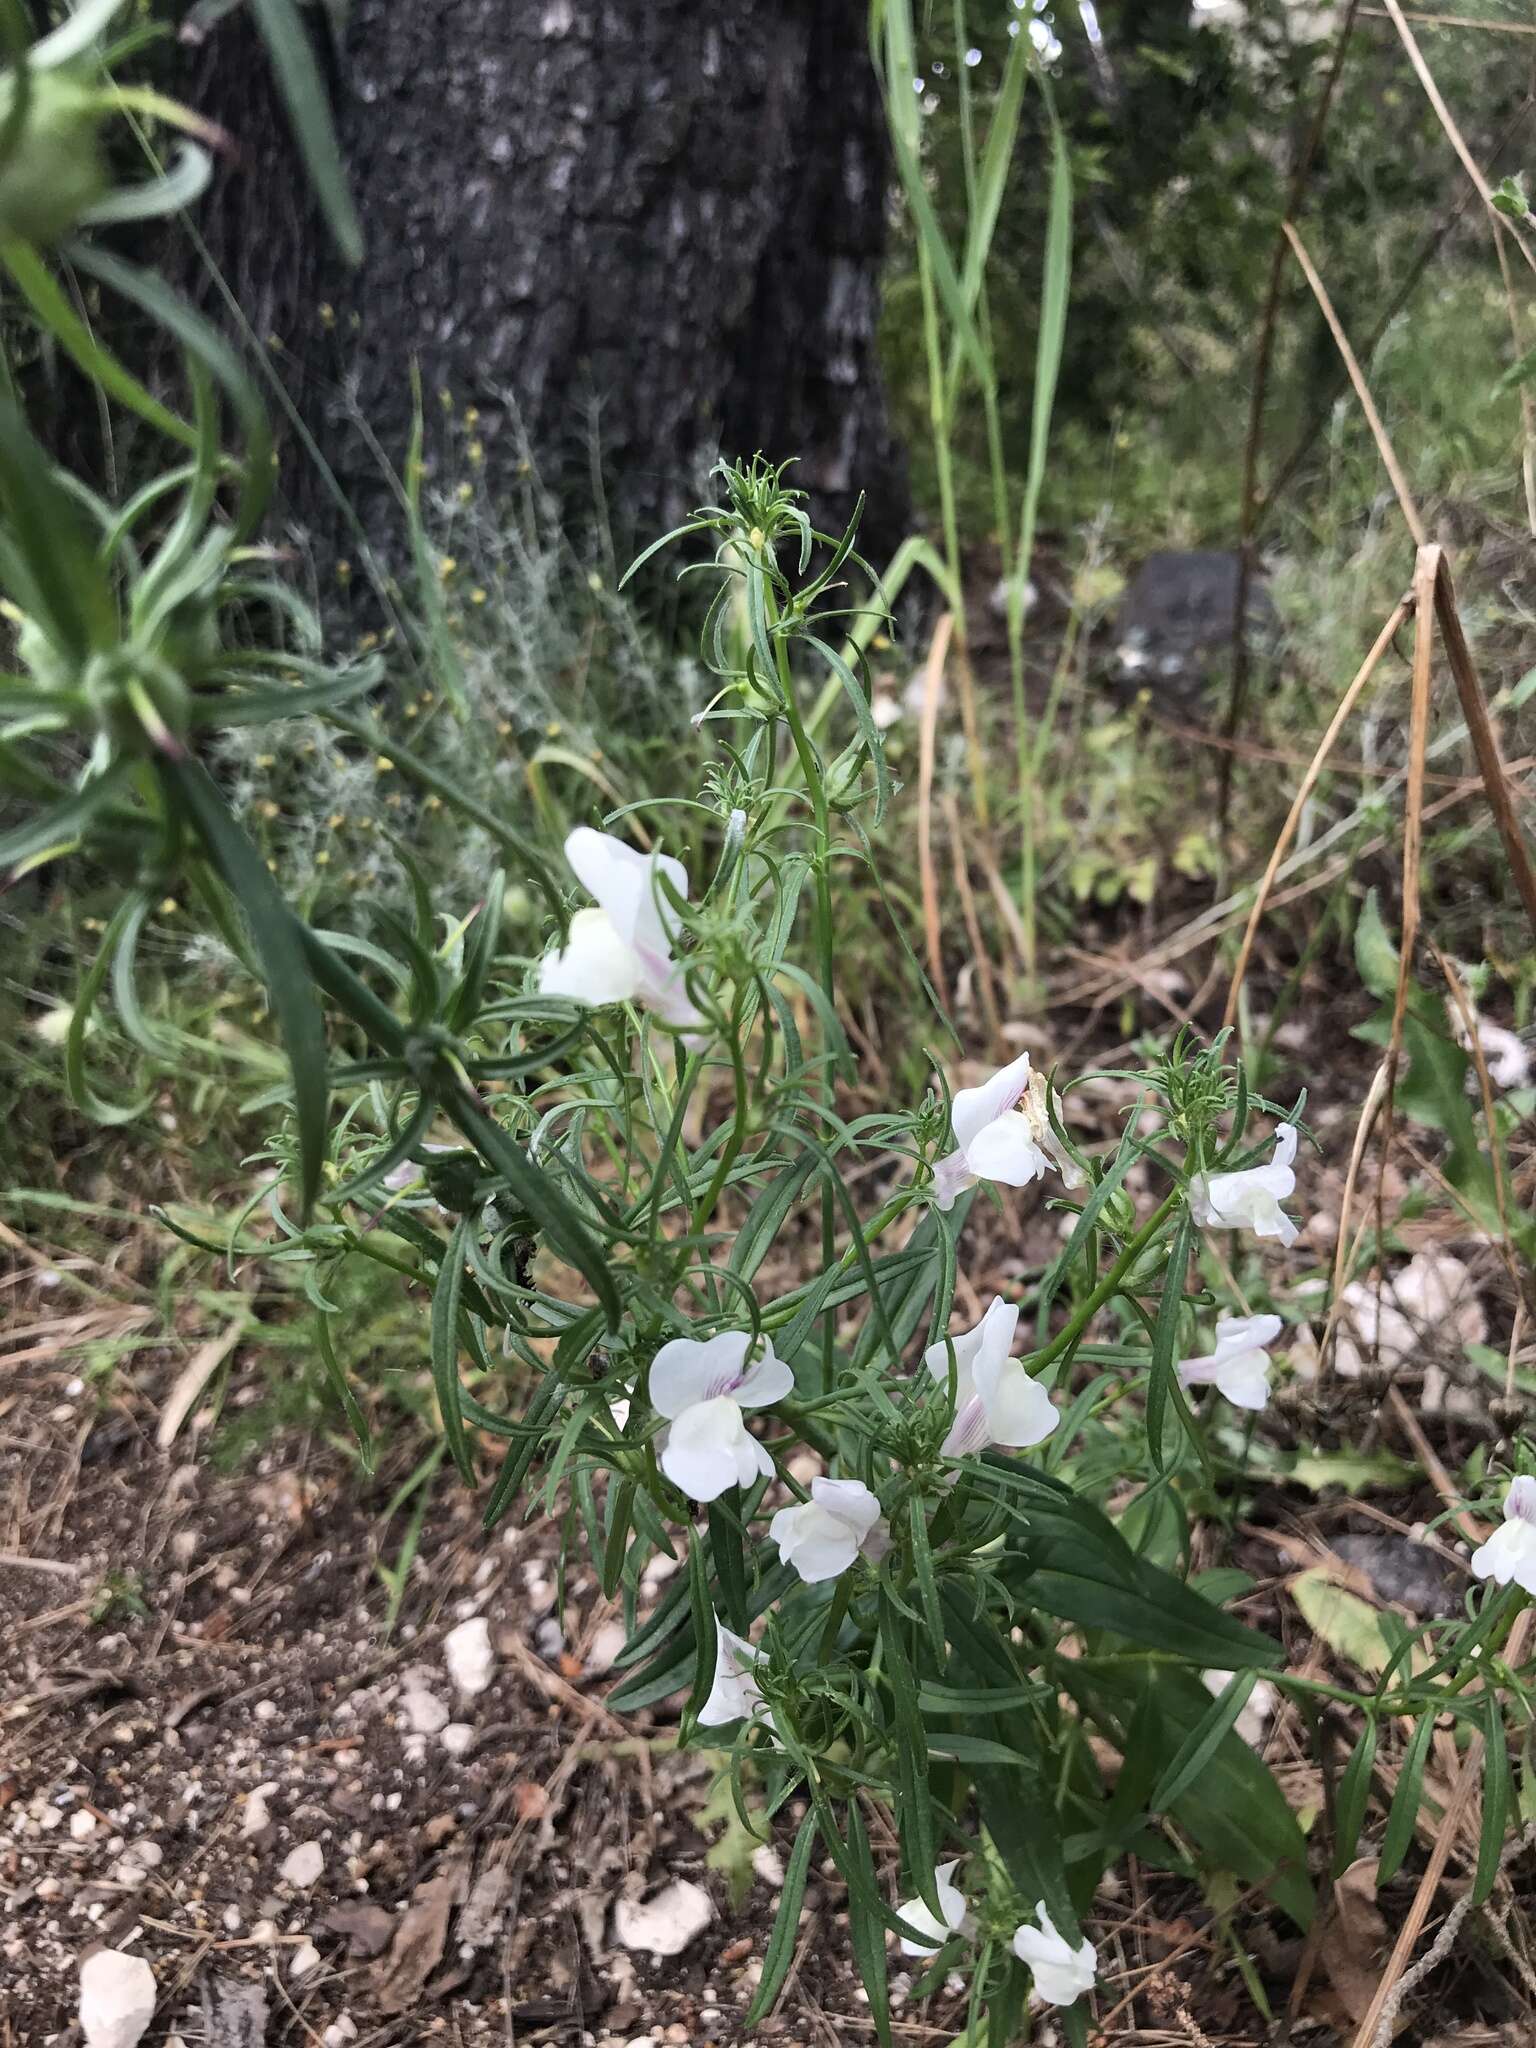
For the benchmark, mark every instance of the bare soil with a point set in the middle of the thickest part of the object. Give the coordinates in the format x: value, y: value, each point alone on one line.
x: 202, y: 1676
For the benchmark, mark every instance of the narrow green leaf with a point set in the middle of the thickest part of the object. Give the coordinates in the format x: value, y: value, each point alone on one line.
x: 1202, y: 1742
x: 47, y: 557
x: 780, y: 1951
x: 1165, y: 1332
x: 339, y: 1385
x: 40, y: 289
x: 1352, y: 1798
x: 534, y: 1191
x: 279, y: 941
x: 447, y: 1304
x: 909, y: 1740
x: 1496, y: 1801
x: 302, y: 85
x: 1404, y: 1811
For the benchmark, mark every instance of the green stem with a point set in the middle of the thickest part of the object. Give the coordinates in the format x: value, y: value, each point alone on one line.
x: 1107, y: 1287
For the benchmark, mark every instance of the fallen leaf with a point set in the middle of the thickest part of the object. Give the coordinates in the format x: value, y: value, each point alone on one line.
x: 368, y: 1928
x: 1346, y: 1623
x: 1353, y: 1939
x: 421, y: 1936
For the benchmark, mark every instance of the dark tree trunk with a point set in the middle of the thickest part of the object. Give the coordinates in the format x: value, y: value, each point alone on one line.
x: 657, y: 220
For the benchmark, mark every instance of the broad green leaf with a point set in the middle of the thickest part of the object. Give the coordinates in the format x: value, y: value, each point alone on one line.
x: 1346, y: 1623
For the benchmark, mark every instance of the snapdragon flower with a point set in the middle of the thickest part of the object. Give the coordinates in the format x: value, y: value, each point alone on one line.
x: 1062, y: 1973
x: 936, y: 1931
x: 996, y: 1401
x: 622, y: 951
x: 701, y: 1388
x: 1002, y: 1132
x: 734, y: 1695
x: 1510, y: 1552
x: 1250, y: 1200
x: 822, y: 1536
x: 1239, y: 1366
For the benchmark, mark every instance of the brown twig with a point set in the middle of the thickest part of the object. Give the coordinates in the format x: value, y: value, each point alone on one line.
x: 1439, y: 1855
x: 1303, y: 796
x: 1453, y: 134
x: 1383, y: 440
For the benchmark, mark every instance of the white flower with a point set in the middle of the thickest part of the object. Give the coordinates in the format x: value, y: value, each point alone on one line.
x: 1062, y: 1973
x: 734, y: 1696
x: 996, y: 1401
x: 1510, y: 1552
x: 1258, y: 1708
x: 1251, y: 1200
x: 1239, y: 1366
x: 916, y: 1914
x: 822, y: 1536
x: 622, y: 951
x: 1002, y: 1132
x: 701, y: 1388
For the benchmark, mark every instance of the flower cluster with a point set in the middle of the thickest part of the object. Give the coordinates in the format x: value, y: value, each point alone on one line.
x: 1061, y: 1972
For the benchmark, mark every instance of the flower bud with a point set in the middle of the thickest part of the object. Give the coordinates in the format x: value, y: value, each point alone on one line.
x: 845, y: 778
x: 55, y: 172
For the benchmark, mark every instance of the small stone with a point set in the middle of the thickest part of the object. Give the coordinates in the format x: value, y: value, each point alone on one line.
x: 424, y: 1713
x: 642, y: 2041
x: 605, y: 1647
x: 257, y: 1816
x: 82, y: 1825
x: 666, y: 1924
x: 265, y: 1710
x: 232, y: 1919
x: 117, y: 1999
x: 469, y: 1657
x: 306, y: 1957
x: 341, y: 2030
x: 768, y: 1864
x: 302, y: 1866
x: 458, y: 1738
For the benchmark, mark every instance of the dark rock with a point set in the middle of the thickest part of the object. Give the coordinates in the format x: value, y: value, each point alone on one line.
x: 1173, y: 632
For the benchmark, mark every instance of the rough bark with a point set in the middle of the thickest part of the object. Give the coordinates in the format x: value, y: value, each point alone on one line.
x: 662, y: 222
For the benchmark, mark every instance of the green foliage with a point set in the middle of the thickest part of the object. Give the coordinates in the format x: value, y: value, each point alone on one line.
x: 581, y: 1131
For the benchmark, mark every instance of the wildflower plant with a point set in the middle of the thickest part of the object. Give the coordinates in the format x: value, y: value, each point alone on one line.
x: 900, y: 1598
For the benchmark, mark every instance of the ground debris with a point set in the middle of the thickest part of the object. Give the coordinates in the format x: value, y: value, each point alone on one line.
x: 421, y: 1937
x: 234, y: 2012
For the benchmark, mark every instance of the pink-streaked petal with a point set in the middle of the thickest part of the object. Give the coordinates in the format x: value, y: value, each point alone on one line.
x: 1019, y: 1410
x: 1236, y: 1334
x: 1244, y: 1379
x: 690, y: 1369
x: 708, y: 1450
x: 766, y: 1380
x: 968, y: 1432
x: 850, y: 1500
x: 1005, y: 1150
x: 1520, y: 1501
x: 951, y: 1178
x: 974, y: 1108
